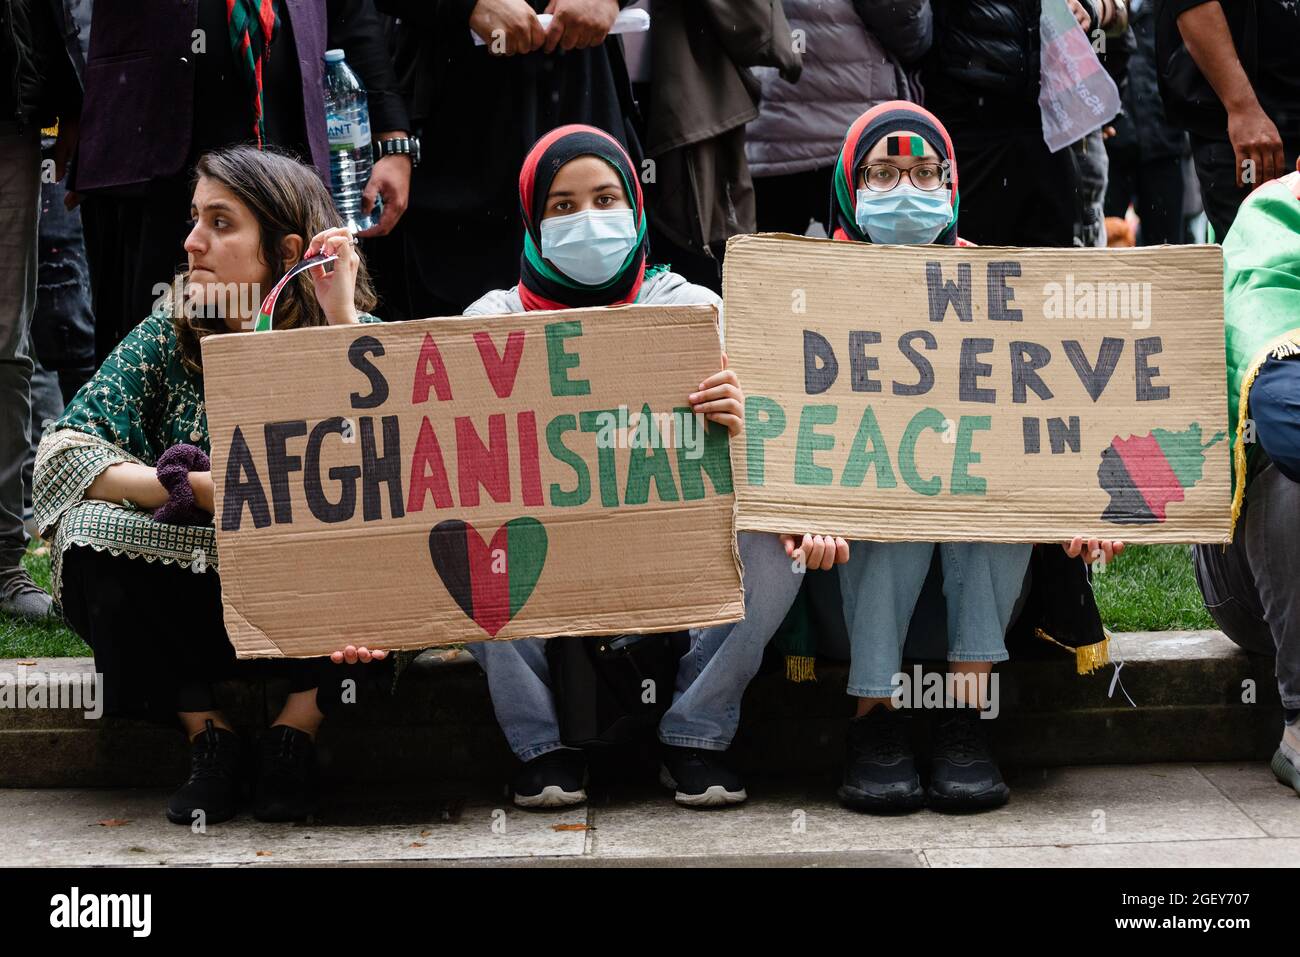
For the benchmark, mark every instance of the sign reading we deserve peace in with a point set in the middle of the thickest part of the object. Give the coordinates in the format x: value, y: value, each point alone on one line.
x: 979, y: 394
x: 414, y: 484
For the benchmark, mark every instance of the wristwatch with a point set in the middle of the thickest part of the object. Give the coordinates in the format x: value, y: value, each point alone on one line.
x: 399, y: 146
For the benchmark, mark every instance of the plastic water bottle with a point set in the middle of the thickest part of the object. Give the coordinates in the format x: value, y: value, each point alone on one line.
x: 347, y: 118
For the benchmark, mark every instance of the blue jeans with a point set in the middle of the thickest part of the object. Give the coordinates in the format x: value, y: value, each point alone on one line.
x: 711, y: 676
x: 882, y: 581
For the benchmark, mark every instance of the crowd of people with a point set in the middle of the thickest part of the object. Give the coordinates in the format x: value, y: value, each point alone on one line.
x: 560, y: 166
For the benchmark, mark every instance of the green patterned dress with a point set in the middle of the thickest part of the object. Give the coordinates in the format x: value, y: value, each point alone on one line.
x: 140, y: 403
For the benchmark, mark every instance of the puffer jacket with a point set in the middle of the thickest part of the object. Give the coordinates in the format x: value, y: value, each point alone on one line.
x: 855, y: 54
x: 989, y: 46
x: 40, y: 64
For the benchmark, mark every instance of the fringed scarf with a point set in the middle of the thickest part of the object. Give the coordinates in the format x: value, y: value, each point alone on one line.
x: 253, y: 27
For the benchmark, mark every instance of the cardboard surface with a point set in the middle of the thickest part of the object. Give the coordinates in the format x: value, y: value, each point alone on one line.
x: 979, y: 394
x: 414, y: 484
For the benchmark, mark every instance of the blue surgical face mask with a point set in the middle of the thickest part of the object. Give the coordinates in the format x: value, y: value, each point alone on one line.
x: 903, y: 215
x: 589, y: 247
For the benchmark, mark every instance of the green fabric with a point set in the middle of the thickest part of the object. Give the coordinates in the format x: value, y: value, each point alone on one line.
x: 650, y: 273
x: 141, y: 402
x: 846, y: 197
x: 1261, y: 286
x: 795, y: 638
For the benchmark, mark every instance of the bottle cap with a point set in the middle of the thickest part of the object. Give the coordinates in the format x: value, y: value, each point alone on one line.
x: 333, y: 56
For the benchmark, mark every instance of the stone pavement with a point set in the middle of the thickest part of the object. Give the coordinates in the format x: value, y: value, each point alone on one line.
x: 1163, y: 815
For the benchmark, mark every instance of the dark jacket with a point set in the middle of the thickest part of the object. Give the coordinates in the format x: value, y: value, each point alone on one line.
x: 479, y: 115
x: 40, y: 55
x: 989, y: 46
x: 703, y: 95
x: 138, y: 117
x: 1142, y: 129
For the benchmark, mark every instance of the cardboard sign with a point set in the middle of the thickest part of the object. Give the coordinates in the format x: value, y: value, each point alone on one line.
x: 414, y: 484
x: 979, y: 394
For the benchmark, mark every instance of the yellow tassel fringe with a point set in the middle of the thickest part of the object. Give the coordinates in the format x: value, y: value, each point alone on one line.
x: 1087, y: 658
x: 800, y: 668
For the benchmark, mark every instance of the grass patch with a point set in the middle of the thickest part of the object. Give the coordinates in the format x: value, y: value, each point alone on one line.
x: 1151, y: 588
x: 46, y: 639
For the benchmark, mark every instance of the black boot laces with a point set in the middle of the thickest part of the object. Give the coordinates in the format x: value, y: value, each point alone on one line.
x: 289, y: 755
x: 206, y: 753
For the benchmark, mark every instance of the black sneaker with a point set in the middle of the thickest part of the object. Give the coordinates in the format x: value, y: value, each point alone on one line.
x: 963, y: 775
x: 879, y: 769
x: 286, y: 775
x: 554, y: 779
x: 700, y: 778
x: 211, y: 794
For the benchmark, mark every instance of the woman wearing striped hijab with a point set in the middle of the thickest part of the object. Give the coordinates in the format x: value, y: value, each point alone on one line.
x: 895, y: 182
x: 585, y: 246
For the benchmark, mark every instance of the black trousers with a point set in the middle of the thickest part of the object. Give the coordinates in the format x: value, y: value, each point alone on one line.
x: 788, y: 203
x: 134, y: 245
x: 159, y: 641
x: 1249, y: 587
x: 1013, y: 192
x: 1155, y: 188
x: 1216, y: 168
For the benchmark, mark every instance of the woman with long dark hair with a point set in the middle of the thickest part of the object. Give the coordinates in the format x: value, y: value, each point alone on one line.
x: 123, y: 483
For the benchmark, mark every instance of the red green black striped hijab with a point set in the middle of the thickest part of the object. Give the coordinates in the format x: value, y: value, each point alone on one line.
x: 866, y: 131
x: 541, y: 286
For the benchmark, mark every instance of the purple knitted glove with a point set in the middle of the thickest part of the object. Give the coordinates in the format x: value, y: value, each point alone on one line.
x: 174, y: 467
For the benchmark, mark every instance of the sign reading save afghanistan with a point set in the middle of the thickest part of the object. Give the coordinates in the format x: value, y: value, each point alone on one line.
x: 413, y: 484
x: 979, y: 394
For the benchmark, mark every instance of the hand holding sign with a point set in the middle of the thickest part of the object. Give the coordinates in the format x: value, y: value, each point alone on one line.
x: 1093, y: 549
x: 818, y: 552
x: 720, y: 399
x: 351, y: 654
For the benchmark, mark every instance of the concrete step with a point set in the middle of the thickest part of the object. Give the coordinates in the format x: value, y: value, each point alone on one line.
x: 1192, y: 691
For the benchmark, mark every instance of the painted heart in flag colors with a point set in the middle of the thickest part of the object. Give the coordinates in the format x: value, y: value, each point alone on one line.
x: 490, y: 581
